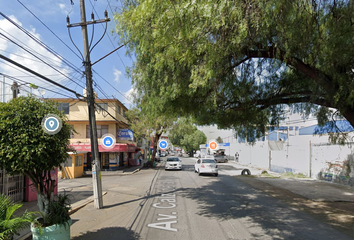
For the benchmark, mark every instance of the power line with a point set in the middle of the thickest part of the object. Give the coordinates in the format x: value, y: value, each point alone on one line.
x: 39, y: 42
x: 39, y: 75
x: 49, y: 29
x: 38, y: 58
x: 24, y: 82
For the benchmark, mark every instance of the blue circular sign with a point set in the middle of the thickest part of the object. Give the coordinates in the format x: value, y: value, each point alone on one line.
x: 163, y: 144
x: 108, y: 141
x: 51, y: 124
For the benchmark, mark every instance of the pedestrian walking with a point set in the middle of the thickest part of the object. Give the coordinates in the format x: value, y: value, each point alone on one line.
x: 236, y: 157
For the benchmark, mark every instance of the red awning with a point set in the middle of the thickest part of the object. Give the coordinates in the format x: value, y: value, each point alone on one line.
x: 119, y: 147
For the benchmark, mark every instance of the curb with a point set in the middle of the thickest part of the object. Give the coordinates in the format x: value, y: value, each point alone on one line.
x: 75, y: 207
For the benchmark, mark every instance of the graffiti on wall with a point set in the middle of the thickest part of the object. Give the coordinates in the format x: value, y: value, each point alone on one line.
x: 341, y: 172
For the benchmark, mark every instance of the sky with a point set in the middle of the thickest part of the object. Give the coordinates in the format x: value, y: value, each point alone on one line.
x: 59, y: 58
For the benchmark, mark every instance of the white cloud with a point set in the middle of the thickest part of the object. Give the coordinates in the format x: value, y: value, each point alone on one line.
x: 24, y: 58
x: 129, y: 98
x: 117, y: 75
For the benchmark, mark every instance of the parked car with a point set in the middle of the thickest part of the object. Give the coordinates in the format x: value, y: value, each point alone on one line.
x: 163, y: 154
x: 157, y: 157
x: 206, y: 165
x: 172, y: 153
x: 173, y: 163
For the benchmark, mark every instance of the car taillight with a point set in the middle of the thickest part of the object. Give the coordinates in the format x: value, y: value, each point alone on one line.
x: 202, y: 166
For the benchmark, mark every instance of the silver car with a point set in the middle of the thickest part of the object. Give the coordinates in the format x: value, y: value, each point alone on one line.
x: 173, y: 163
x: 206, y: 165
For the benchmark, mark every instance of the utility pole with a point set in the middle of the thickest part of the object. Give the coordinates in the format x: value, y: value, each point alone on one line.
x: 96, y: 169
x: 3, y: 89
x: 14, y: 89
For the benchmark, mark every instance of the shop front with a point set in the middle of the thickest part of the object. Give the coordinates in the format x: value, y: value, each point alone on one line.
x: 111, y: 159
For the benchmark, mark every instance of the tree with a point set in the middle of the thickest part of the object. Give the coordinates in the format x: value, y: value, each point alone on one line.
x: 186, y: 135
x: 191, y: 142
x: 26, y: 149
x: 147, y: 123
x: 219, y: 140
x: 180, y: 129
x: 241, y: 64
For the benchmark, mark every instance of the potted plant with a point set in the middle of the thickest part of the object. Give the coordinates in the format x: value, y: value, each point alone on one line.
x: 56, y: 223
x: 11, y: 224
x: 25, y: 148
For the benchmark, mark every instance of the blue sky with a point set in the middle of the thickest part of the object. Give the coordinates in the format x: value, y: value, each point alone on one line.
x: 66, y: 67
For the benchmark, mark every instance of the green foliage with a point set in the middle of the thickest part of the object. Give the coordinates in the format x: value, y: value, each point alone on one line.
x: 145, y: 123
x: 58, y: 212
x: 219, y: 140
x: 10, y: 224
x: 184, y: 134
x: 239, y: 64
x: 26, y: 149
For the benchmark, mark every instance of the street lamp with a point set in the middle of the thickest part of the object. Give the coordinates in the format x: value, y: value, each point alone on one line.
x: 15, y: 88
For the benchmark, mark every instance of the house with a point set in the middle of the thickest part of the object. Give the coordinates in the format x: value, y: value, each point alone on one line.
x: 110, y: 119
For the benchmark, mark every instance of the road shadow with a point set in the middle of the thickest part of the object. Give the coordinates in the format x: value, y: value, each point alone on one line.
x: 109, y: 233
x: 231, y: 199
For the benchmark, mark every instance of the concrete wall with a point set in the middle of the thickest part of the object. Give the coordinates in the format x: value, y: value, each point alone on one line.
x: 312, y: 156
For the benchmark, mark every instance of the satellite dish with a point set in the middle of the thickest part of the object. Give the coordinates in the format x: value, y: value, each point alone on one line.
x: 42, y: 92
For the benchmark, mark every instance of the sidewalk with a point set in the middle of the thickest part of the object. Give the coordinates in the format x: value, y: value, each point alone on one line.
x: 80, y: 190
x: 320, y: 191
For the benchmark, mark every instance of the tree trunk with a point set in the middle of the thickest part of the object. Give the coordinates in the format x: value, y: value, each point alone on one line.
x: 349, y: 115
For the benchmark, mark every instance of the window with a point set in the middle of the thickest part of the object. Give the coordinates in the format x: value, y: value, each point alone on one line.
x: 101, y: 130
x: 72, y: 131
x: 124, y: 113
x: 102, y: 106
x: 69, y: 162
x: 78, y: 161
x: 64, y: 107
x: 118, y: 109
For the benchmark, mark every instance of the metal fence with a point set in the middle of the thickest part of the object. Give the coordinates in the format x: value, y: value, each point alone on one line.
x: 12, y: 186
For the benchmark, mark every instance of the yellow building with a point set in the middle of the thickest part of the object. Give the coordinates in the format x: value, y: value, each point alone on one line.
x: 110, y: 119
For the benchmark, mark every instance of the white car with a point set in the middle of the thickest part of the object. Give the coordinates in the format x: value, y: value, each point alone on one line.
x: 206, y: 165
x: 173, y: 163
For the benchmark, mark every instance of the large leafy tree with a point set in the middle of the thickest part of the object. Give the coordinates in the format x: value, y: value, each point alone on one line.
x: 26, y: 149
x: 186, y: 135
x: 240, y: 63
x: 147, y: 124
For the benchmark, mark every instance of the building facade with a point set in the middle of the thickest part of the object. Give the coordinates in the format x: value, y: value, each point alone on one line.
x: 110, y: 119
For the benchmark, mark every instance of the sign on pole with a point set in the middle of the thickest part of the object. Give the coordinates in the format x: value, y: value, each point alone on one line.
x: 163, y: 144
x: 213, y: 145
x: 108, y: 141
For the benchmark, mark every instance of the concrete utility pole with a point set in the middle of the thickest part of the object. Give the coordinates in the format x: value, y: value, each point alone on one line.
x: 96, y: 169
x: 14, y: 89
x: 3, y: 89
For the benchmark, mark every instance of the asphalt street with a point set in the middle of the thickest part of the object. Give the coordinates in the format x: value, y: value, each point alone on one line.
x: 158, y: 204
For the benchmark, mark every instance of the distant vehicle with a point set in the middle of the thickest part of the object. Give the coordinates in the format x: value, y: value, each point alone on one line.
x: 206, y: 165
x: 219, y: 156
x: 173, y: 163
x: 172, y: 153
x: 163, y: 154
x: 157, y: 157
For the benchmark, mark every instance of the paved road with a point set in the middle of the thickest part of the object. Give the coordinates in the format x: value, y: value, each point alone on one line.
x: 157, y: 204
x: 184, y: 205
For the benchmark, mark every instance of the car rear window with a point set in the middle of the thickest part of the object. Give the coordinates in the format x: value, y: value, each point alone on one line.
x: 208, y: 161
x: 172, y: 159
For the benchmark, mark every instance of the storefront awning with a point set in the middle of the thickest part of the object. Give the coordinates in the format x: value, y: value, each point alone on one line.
x: 119, y: 147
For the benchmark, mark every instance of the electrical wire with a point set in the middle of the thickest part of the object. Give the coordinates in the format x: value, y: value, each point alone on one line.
x: 49, y: 29
x: 28, y: 51
x: 38, y: 41
x: 25, y: 82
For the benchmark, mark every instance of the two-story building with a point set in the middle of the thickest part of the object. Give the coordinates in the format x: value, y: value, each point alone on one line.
x: 110, y: 119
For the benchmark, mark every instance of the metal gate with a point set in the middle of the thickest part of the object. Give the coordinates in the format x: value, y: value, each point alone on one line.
x: 12, y: 186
